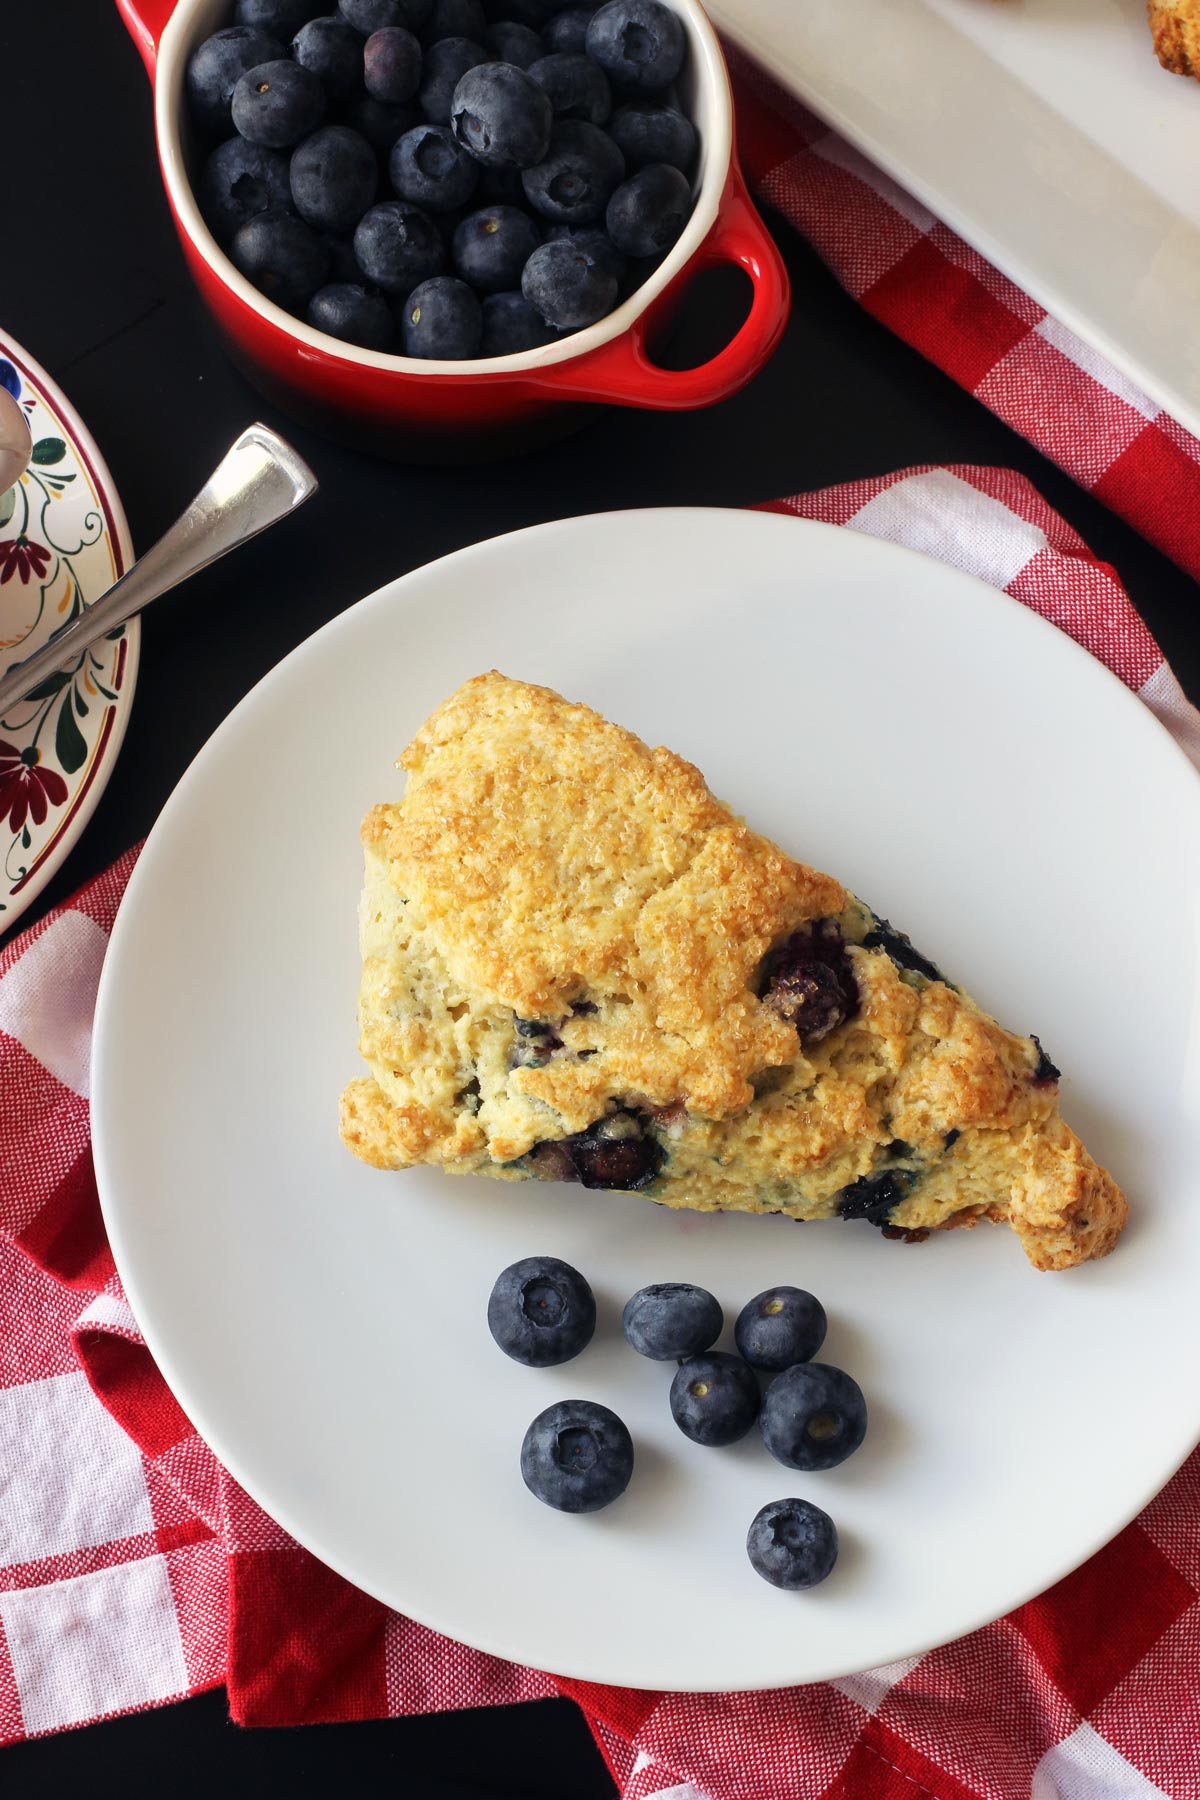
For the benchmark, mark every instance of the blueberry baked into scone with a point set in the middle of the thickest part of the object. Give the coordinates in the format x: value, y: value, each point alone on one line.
x: 579, y: 965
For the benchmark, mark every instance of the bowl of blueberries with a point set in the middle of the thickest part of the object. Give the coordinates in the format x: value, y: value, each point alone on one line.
x: 444, y: 227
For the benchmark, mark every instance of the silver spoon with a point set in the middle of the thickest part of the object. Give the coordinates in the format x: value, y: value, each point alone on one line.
x: 258, y: 480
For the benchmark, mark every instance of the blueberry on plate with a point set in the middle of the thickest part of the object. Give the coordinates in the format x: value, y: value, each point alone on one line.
x: 396, y: 246
x: 444, y: 67
x: 334, y: 177
x: 779, y: 1327
x: 513, y: 43
x: 573, y: 182
x: 541, y: 1311
x: 501, y: 115
x: 792, y: 1544
x: 577, y: 1456
x: 510, y: 326
x: 381, y: 122
x: 391, y: 64
x: 277, y: 103
x: 650, y: 131
x: 282, y: 18
x: 331, y: 51
x: 648, y: 212
x: 639, y: 44
x: 567, y: 31
x: 441, y: 321
x: 595, y: 241
x: 671, y: 1320
x: 430, y: 167
x: 492, y: 246
x: 217, y: 65
x: 813, y: 1416
x: 455, y: 19
x: 576, y: 87
x: 367, y: 16
x: 239, y: 180
x: 714, y: 1398
x: 281, y: 255
x: 346, y: 310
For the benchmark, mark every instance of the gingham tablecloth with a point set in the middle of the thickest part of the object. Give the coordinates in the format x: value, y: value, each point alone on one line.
x: 134, y: 1570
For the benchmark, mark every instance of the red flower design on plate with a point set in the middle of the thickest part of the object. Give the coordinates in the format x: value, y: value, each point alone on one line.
x: 27, y: 788
x: 19, y: 557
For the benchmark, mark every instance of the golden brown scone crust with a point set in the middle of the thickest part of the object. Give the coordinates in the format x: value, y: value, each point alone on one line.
x: 1175, y: 28
x: 545, y: 865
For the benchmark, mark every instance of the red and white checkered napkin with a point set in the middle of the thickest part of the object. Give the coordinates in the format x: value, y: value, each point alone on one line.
x: 929, y: 287
x: 133, y: 1569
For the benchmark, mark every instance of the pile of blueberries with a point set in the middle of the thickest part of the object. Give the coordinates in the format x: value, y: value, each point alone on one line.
x: 578, y: 1455
x: 539, y: 168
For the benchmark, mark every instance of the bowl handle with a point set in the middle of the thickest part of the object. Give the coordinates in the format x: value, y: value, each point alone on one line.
x: 623, y: 372
x: 145, y: 20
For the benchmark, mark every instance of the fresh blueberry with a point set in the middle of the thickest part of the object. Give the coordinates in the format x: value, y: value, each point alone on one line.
x: 615, y: 1152
x: 492, y: 246
x: 501, y: 116
x: 445, y: 65
x: 813, y: 1416
x: 639, y: 44
x: 396, y: 247
x: 430, y: 167
x: 809, y: 982
x: 281, y: 255
x: 215, y: 68
x: 239, y: 180
x: 650, y: 131
x: 576, y: 88
x: 648, y: 212
x: 567, y: 31
x: 368, y: 16
x: 391, y: 62
x: 779, y: 1327
x: 334, y: 176
x: 441, y: 321
x: 714, y: 1398
x: 541, y: 1311
x: 333, y: 53
x: 581, y: 169
x: 282, y: 18
x: 577, y: 1456
x: 595, y: 241
x: 277, y: 103
x: 792, y: 1544
x: 381, y: 122
x: 346, y: 310
x: 672, y: 1320
x: 510, y: 326
x: 456, y: 19
x: 513, y: 43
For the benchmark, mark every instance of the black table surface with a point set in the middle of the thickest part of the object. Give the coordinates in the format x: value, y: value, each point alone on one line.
x: 95, y: 287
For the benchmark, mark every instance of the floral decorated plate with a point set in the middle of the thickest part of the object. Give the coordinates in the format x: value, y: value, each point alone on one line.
x: 63, y: 542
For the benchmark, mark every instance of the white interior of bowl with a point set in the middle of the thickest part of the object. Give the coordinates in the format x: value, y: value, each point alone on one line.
x: 703, y: 94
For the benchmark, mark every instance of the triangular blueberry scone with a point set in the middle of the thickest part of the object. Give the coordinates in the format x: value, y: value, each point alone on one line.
x: 579, y: 965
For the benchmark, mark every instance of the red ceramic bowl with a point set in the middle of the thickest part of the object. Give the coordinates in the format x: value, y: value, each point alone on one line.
x: 398, y: 404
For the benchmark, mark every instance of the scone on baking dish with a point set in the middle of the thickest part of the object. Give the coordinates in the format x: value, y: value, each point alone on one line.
x: 1175, y: 28
x: 578, y: 965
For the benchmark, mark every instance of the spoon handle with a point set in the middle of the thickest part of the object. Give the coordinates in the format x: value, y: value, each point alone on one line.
x: 258, y: 480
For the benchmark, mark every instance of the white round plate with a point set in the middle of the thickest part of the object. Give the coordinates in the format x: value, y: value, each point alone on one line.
x: 63, y: 543
x: 965, y: 768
